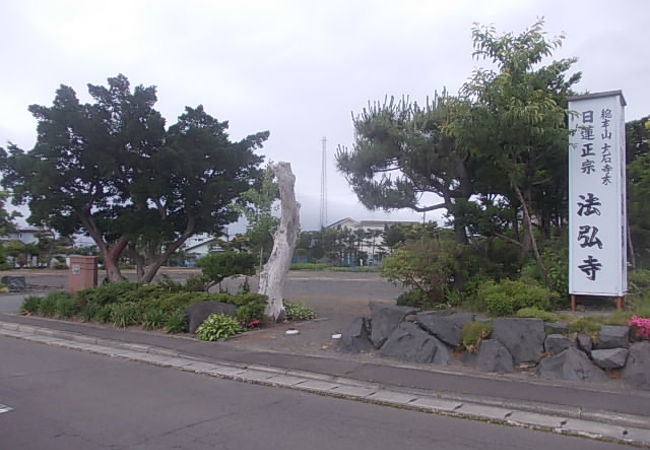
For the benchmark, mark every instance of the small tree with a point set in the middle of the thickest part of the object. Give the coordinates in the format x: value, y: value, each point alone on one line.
x: 426, y: 265
x: 218, y: 266
x: 256, y: 204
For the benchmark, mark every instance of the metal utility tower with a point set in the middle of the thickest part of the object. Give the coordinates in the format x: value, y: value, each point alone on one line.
x: 323, y: 186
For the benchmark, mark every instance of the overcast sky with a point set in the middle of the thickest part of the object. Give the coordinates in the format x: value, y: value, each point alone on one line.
x: 296, y: 68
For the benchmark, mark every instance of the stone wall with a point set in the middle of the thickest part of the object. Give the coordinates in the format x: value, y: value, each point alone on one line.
x: 406, y: 334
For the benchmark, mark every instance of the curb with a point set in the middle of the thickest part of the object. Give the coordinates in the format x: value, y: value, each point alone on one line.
x: 575, y: 421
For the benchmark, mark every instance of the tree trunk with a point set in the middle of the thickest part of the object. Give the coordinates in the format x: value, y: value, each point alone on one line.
x: 630, y: 246
x: 112, y: 258
x: 528, y: 224
x: 111, y: 253
x: 156, y: 264
x: 274, y: 275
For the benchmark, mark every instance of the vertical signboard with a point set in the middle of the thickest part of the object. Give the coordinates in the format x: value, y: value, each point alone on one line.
x: 597, y: 214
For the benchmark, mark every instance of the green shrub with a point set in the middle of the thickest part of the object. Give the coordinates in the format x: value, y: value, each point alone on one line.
x: 251, y: 311
x: 507, y: 296
x: 47, y: 306
x: 536, y: 313
x: 617, y: 318
x: 30, y: 304
x: 218, y: 326
x: 66, y: 306
x: 298, y: 311
x: 170, y: 302
x: 639, y: 279
x: 108, y: 293
x: 125, y: 314
x: 154, y: 318
x: 218, y: 266
x: 196, y: 283
x: 429, y: 265
x: 585, y: 325
x: 177, y: 322
x: 245, y: 298
x: 473, y: 333
x: 412, y: 298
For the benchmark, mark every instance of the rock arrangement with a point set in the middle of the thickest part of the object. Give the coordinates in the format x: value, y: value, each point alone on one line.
x: 407, y: 334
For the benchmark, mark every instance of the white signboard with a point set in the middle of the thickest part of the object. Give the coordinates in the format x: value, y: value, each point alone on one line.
x: 597, y: 215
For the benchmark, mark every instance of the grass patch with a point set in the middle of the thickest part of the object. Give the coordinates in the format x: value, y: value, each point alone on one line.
x: 536, y: 313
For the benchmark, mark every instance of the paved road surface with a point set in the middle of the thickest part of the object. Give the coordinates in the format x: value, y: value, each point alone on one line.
x: 64, y: 399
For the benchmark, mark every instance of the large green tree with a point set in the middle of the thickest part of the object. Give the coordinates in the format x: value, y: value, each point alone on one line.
x: 110, y: 169
x: 514, y: 115
x: 638, y: 189
x: 401, y: 152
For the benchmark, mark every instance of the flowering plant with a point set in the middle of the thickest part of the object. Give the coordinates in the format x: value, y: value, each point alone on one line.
x: 641, y: 326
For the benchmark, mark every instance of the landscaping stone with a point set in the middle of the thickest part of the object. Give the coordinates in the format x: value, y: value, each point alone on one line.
x: 555, y: 328
x: 356, y: 338
x: 572, y: 365
x: 492, y: 356
x: 198, y: 312
x: 409, y: 342
x: 446, y: 326
x: 613, y: 336
x: 584, y: 342
x: 14, y: 283
x: 385, y: 318
x: 524, y: 338
x: 637, y: 367
x: 609, y: 358
x: 556, y: 343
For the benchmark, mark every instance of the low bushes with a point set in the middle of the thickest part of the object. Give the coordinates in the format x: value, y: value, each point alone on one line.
x: 218, y: 326
x: 505, y: 297
x: 159, y: 306
x: 298, y: 311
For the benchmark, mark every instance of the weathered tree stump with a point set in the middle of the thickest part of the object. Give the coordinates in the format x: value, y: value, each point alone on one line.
x: 274, y: 274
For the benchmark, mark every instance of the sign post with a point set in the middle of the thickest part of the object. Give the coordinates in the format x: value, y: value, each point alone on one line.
x: 597, y: 211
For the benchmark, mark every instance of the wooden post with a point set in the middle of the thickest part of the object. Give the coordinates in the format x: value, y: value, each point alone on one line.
x: 573, y: 302
x: 620, y: 302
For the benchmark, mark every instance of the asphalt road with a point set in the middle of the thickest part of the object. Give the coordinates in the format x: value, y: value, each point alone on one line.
x: 64, y: 399
x: 332, y: 294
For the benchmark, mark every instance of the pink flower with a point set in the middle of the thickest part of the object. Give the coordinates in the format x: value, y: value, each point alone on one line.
x: 641, y: 326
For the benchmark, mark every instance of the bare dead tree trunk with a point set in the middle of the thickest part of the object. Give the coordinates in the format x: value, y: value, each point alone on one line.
x: 274, y: 274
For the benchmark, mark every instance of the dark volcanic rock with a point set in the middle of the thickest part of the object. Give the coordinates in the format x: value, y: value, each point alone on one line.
x: 613, y: 336
x: 356, y: 338
x: 492, y: 356
x: 198, y: 312
x: 584, y: 342
x: 556, y: 343
x: 571, y: 364
x: 385, y: 318
x: 524, y: 338
x: 555, y: 328
x: 409, y: 342
x: 609, y: 358
x: 637, y: 367
x: 14, y: 283
x: 444, y: 325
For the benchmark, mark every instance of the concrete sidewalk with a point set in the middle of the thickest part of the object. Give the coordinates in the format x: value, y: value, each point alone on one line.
x: 610, y: 411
